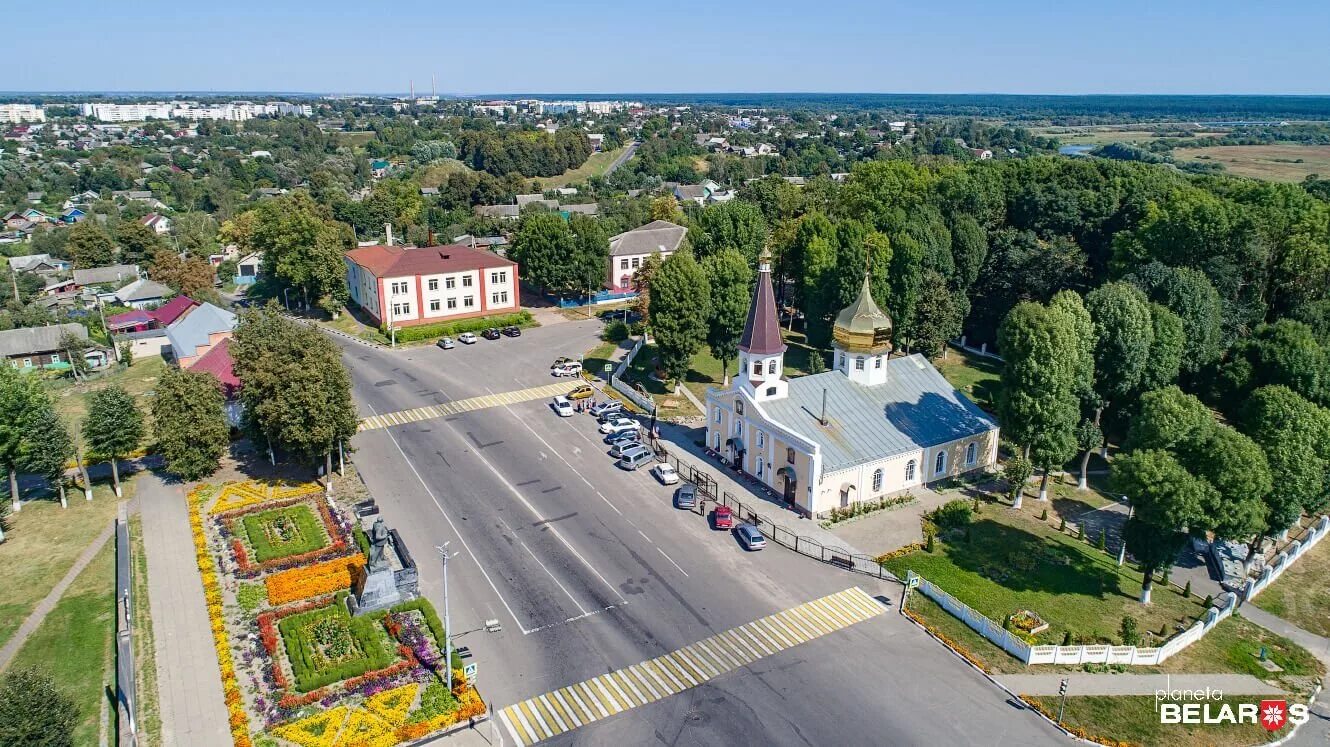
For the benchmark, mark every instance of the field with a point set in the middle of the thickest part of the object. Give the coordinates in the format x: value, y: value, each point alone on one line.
x: 1105, y: 135
x: 437, y: 173
x: 594, y: 166
x: 1286, y: 162
x: 354, y: 139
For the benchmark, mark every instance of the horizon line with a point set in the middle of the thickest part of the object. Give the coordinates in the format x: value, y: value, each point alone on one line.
x: 609, y: 94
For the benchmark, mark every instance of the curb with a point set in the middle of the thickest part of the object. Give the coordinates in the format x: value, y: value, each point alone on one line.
x: 1310, y: 702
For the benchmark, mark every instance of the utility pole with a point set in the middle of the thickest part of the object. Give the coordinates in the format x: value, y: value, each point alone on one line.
x: 447, y: 624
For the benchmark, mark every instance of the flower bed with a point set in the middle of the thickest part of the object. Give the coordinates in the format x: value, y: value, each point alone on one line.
x: 326, y: 645
x: 233, y: 524
x: 313, y: 580
x: 281, y: 532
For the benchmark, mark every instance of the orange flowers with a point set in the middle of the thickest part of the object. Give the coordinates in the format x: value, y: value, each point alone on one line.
x: 311, y: 581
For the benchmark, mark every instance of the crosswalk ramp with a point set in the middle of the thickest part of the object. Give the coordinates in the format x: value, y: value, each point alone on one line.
x: 546, y: 716
x: 470, y: 404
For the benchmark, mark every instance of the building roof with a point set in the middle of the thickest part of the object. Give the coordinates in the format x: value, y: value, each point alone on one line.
x: 915, y: 408
x: 218, y: 362
x: 191, y: 332
x: 30, y: 262
x: 143, y: 290
x: 862, y: 326
x: 657, y: 236
x: 152, y: 219
x: 26, y: 340
x: 397, y: 261
x: 170, y: 311
x: 497, y: 211
x: 128, y: 319
x: 113, y: 275
x: 690, y: 191
x: 761, y: 334
x: 589, y: 208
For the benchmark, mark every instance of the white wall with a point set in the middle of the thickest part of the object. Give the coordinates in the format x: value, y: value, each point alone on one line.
x: 443, y: 294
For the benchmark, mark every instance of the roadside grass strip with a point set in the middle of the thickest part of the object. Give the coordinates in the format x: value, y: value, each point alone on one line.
x: 470, y: 404
x: 545, y: 716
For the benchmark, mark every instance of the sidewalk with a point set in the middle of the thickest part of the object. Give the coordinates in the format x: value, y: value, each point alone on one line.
x: 189, y: 683
x: 1134, y: 684
x: 1316, y: 730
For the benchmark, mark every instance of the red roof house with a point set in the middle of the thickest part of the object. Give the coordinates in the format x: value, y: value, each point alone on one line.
x: 422, y: 285
x: 218, y: 363
x: 172, y: 310
x: 137, y: 320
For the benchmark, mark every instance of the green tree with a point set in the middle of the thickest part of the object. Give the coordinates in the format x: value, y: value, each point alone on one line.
x: 938, y: 315
x: 1236, y: 467
x: 34, y: 712
x: 642, y: 279
x: 819, y: 289
x: 1165, y: 499
x: 590, y: 255
x: 138, y: 243
x: 302, y: 247
x: 1188, y: 293
x: 1283, y: 353
x: 90, y: 245
x: 113, y: 428
x: 666, y: 207
x: 49, y: 447
x: 679, y: 312
x: 1070, y: 303
x: 542, y: 247
x: 1124, y: 333
x: 1088, y: 438
x: 1294, y: 434
x: 730, y: 279
x: 1016, y: 472
x: 21, y: 402
x: 969, y: 249
x: 737, y: 224
x: 190, y: 430
x: 1167, y: 418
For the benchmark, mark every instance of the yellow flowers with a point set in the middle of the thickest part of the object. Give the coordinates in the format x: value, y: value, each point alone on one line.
x: 250, y: 492
x: 319, y: 730
x: 392, y: 705
x: 312, y: 580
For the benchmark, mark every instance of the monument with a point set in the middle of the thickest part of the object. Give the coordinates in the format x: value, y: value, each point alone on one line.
x: 388, y: 577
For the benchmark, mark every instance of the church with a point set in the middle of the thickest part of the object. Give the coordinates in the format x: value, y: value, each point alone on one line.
x: 872, y: 426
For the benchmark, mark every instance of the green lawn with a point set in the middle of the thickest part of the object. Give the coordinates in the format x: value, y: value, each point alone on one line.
x: 595, y: 165
x: 352, y: 324
x: 1302, y: 594
x: 40, y: 547
x: 291, y: 530
x: 1234, y: 645
x: 1014, y: 561
x: 145, y: 653
x: 1134, y: 720
x: 139, y: 379
x: 974, y: 375
x: 74, y: 644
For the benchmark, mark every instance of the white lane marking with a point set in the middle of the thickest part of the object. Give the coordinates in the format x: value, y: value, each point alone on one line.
x: 545, y: 568
x: 447, y: 518
x: 511, y: 729
x: 574, y: 618
x: 676, y: 565
x: 644, y: 536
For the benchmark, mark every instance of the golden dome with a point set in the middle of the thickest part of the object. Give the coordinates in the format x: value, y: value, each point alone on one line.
x: 862, y: 327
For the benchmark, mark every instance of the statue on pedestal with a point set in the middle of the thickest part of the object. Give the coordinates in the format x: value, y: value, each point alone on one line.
x: 378, y: 546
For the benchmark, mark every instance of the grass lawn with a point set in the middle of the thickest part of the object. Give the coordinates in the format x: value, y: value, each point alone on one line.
x: 40, y: 547
x: 74, y: 643
x: 595, y: 165
x: 349, y: 323
x: 1133, y: 720
x: 149, y: 718
x: 668, y: 404
x: 436, y: 174
x: 1302, y: 594
x: 1234, y: 645
x: 291, y: 530
x: 1014, y: 561
x: 1278, y: 162
x: 139, y: 379
x: 973, y: 375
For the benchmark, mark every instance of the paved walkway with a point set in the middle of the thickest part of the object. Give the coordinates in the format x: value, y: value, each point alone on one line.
x: 893, y: 528
x: 1134, y: 684
x: 43, y: 607
x: 1316, y: 730
x: 188, y: 680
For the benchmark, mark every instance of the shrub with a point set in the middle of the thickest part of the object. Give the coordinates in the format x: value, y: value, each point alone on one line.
x: 304, y: 533
x: 952, y: 514
x: 928, y: 542
x: 301, y: 649
x: 1163, y: 630
x: 1103, y: 538
x: 1129, y: 632
x: 1043, y: 515
x: 815, y: 362
x: 33, y: 711
x: 435, y: 701
x: 476, y: 324
x: 1080, y: 532
x: 1062, y: 524
x: 615, y: 331
x: 1209, y: 601
x: 1186, y: 590
x: 1066, y: 638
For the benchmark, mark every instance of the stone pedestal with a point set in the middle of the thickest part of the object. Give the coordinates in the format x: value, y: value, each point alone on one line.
x: 376, y: 590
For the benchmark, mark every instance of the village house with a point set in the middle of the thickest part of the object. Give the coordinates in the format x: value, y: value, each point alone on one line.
x: 157, y: 222
x: 630, y: 249
x: 193, y: 334
x: 32, y: 348
x: 404, y: 286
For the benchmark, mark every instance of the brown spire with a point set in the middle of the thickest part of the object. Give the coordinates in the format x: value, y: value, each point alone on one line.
x: 762, y: 330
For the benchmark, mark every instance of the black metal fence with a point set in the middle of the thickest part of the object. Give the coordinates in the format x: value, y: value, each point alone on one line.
x: 708, y: 490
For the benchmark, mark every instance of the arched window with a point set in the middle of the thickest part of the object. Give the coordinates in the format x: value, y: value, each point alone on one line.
x: 877, y: 480
x: 759, y: 466
x: 717, y: 414
x: 940, y: 464
x: 971, y: 452
x: 757, y: 368
x: 909, y: 469
x: 771, y: 366
x: 739, y: 406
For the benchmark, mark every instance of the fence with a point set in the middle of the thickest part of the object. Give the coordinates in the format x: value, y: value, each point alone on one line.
x: 1285, y: 558
x: 604, y: 296
x: 641, y: 400
x: 708, y: 490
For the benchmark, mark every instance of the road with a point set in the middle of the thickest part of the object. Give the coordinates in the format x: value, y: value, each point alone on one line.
x: 589, y: 570
x: 623, y: 157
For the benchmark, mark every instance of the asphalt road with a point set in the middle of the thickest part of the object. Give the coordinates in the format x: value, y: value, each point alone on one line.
x: 623, y: 157
x: 590, y: 569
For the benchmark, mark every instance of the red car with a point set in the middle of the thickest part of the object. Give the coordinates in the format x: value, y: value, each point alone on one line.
x: 722, y: 518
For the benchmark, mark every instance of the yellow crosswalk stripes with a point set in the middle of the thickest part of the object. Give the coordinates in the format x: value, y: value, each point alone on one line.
x: 429, y: 412
x: 553, y: 713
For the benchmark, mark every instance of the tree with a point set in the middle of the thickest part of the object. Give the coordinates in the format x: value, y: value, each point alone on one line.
x: 21, y: 400
x: 188, y: 276
x: 542, y: 247
x: 1165, y: 359
x: 1070, y: 303
x: 1237, y: 469
x: 113, y: 428
x: 1124, y: 332
x: 737, y: 224
x: 190, y: 429
x: 90, y: 246
x: 819, y: 289
x: 1165, y: 499
x: 666, y: 207
x: 1167, y: 418
x: 642, y: 279
x: 938, y: 317
x: 1088, y: 438
x: 1294, y: 434
x: 730, y: 279
x: 138, y: 243
x: 302, y: 247
x: 590, y: 254
x: 1283, y: 353
x: 34, y: 713
x: 1016, y: 472
x: 679, y: 311
x: 1188, y: 293
x: 49, y: 447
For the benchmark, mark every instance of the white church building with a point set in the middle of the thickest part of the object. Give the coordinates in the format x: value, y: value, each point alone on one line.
x: 872, y: 426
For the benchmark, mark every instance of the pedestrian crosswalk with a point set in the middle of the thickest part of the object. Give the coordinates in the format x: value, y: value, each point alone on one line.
x: 545, y: 716
x: 402, y: 417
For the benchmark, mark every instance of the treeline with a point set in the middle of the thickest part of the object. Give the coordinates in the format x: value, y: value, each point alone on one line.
x: 525, y: 152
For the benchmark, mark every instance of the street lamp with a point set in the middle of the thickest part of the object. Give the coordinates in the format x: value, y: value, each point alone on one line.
x: 447, y: 624
x: 286, y: 298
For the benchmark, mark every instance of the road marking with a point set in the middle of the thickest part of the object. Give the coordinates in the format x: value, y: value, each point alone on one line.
x: 671, y: 673
x: 470, y: 404
x: 676, y: 565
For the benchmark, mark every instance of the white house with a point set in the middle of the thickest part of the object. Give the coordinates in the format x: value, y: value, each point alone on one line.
x: 157, y: 222
x: 630, y: 249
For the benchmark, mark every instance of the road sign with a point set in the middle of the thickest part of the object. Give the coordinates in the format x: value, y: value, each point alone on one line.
x: 912, y: 580
x: 469, y: 670
x: 608, y: 367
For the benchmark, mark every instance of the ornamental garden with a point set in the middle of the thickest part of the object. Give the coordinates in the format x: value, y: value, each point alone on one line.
x: 278, y: 562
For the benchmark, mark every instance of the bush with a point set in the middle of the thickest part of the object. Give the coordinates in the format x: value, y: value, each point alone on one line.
x: 1209, y: 601
x: 1066, y: 638
x: 1062, y: 524
x: 929, y: 542
x: 34, y: 712
x: 1129, y: 632
x: 1186, y: 590
x: 615, y: 331
x: 1043, y: 515
x: 365, y: 630
x: 1103, y: 538
x: 476, y: 324
x: 815, y: 362
x: 952, y: 514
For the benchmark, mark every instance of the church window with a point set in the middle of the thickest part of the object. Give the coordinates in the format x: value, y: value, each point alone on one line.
x: 717, y: 414
x: 759, y: 466
x: 877, y: 362
x: 940, y: 464
x: 877, y: 480
x: 859, y: 363
x: 771, y: 366
x: 739, y: 406
x: 971, y: 452
x: 789, y: 455
x: 757, y: 368
x: 761, y: 439
x: 909, y: 471
x: 771, y: 391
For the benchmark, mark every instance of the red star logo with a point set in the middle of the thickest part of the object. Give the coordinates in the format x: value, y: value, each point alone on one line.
x: 1274, y: 714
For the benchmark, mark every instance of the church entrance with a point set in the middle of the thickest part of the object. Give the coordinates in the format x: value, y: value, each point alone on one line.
x: 791, y: 483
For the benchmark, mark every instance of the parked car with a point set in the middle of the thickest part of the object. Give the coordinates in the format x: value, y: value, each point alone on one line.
x: 751, y: 538
x: 618, y: 424
x: 626, y: 435
x: 614, y: 413
x: 560, y: 361
x: 512, y: 331
x: 623, y: 448
x: 572, y: 368
x: 686, y: 496
x: 563, y: 407
x: 722, y: 517
x: 446, y: 343
x: 610, y: 405
x: 490, y: 334
x: 666, y: 474
x: 635, y: 459
x: 466, y: 338
x: 581, y: 391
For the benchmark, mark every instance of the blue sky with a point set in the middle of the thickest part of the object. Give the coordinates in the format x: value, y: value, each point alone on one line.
x: 1018, y: 46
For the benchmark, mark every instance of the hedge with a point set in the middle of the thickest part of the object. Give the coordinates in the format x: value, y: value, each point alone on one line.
x: 448, y: 329
x: 365, y: 630
x: 312, y: 535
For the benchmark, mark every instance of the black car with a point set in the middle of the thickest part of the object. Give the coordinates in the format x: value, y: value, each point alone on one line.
x: 618, y: 436
x: 512, y: 331
x: 490, y: 334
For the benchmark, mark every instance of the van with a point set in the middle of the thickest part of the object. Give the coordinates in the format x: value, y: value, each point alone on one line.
x: 634, y: 459
x: 563, y: 407
x: 624, y: 448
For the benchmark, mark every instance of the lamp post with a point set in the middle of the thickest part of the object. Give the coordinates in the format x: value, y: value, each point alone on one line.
x: 447, y: 624
x: 286, y: 298
x: 1122, y: 549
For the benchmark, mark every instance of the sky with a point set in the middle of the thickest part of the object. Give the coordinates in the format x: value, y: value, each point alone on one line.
x: 590, y: 46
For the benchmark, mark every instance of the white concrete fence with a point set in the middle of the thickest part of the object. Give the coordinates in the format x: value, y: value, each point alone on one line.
x: 623, y: 388
x: 1126, y: 655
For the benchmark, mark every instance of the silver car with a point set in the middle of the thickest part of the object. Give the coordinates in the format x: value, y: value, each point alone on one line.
x: 751, y: 538
x: 623, y: 448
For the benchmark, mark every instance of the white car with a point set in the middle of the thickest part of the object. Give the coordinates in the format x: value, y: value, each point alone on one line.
x: 617, y: 425
x: 563, y: 407
x: 466, y: 338
x: 666, y: 474
x: 568, y: 369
